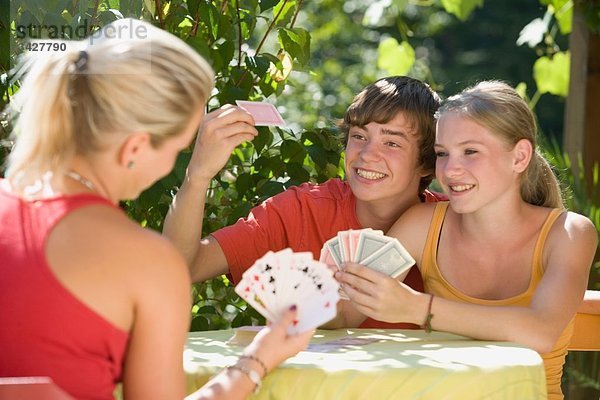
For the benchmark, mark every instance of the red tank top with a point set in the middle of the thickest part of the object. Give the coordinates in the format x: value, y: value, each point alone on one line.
x: 44, y: 329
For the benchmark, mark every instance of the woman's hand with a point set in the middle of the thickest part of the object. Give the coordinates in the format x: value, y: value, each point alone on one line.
x: 378, y: 296
x: 273, y: 345
x: 222, y: 130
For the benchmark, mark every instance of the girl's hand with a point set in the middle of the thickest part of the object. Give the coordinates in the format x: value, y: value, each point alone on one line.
x: 273, y: 345
x: 378, y: 296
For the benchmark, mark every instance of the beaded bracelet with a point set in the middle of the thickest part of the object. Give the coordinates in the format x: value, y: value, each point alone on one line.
x: 427, y: 324
x: 251, y: 374
x: 258, y: 360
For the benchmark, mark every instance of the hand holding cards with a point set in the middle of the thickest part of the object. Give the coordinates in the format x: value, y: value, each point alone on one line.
x: 370, y: 248
x: 279, y: 280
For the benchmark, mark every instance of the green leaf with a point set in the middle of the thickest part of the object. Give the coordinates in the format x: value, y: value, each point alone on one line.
x: 199, y: 44
x: 192, y: 5
x: 288, y: 9
x: 552, y: 74
x: 563, y: 12
x: 264, y: 138
x: 292, y: 151
x: 296, y: 42
x: 199, y: 323
x: 267, y: 4
x: 297, y: 172
x: 258, y: 65
x: 394, y: 58
x: 461, y: 8
x: 270, y: 188
x: 204, y: 310
x: 243, y: 183
x: 240, y: 320
x: 240, y: 211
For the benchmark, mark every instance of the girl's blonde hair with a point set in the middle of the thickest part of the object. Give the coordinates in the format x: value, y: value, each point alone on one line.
x: 498, y: 107
x: 128, y: 77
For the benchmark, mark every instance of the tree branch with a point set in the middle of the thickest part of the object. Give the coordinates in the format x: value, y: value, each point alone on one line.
x: 262, y: 41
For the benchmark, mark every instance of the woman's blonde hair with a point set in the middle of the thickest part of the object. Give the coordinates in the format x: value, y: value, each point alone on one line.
x: 498, y: 107
x: 128, y: 77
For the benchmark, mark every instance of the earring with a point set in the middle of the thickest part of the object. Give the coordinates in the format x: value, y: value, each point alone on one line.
x: 130, y: 165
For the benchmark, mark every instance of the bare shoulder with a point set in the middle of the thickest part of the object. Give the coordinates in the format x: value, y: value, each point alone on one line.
x: 113, y: 239
x: 412, y: 227
x: 573, y: 241
x: 572, y: 227
x: 417, y: 217
x: 419, y: 212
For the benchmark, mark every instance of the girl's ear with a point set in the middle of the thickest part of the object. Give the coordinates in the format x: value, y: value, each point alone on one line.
x: 133, y: 148
x: 523, y: 152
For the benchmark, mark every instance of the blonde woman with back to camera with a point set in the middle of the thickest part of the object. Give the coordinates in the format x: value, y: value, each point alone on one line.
x: 88, y: 297
x: 502, y: 260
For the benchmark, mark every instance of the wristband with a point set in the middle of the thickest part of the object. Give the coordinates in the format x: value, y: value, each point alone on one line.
x: 259, y: 361
x: 427, y: 324
x: 251, y: 374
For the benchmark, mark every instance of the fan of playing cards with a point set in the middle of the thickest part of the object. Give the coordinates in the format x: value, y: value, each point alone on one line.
x: 370, y: 248
x: 279, y: 280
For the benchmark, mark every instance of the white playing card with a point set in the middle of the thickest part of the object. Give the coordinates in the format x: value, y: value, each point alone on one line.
x: 392, y: 259
x: 281, y: 279
x: 246, y: 289
x: 368, y: 243
x: 264, y: 114
x: 344, y: 243
x: 334, y: 248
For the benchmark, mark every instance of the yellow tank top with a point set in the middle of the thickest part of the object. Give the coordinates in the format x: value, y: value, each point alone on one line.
x: 435, y: 283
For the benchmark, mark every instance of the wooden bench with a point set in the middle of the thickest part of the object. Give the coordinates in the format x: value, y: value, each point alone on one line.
x: 586, y: 334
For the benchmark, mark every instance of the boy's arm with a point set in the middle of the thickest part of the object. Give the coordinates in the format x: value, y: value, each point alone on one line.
x: 222, y: 130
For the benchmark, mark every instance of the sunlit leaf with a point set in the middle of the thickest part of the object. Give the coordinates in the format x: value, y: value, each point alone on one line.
x: 522, y: 89
x: 563, y: 12
x: 461, y: 8
x: 395, y: 58
x: 552, y: 74
x: 375, y: 11
x: 296, y: 42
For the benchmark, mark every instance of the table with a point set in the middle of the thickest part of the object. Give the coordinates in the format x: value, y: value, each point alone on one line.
x: 382, y: 364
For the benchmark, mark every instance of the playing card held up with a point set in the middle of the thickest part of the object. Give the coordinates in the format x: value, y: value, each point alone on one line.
x: 264, y: 114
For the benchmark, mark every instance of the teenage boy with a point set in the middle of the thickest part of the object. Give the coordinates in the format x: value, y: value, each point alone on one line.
x: 389, y: 132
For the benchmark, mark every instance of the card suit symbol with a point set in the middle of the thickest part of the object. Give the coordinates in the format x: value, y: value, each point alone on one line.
x: 259, y: 300
x: 328, y: 304
x: 295, y: 322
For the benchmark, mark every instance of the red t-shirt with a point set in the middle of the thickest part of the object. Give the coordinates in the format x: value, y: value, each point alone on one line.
x: 44, y: 329
x: 301, y: 218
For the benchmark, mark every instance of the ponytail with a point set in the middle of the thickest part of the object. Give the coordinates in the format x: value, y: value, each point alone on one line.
x: 76, y: 101
x: 539, y: 185
x: 44, y: 132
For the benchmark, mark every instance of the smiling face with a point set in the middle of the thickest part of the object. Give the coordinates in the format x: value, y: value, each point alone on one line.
x: 382, y: 161
x: 474, y: 166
